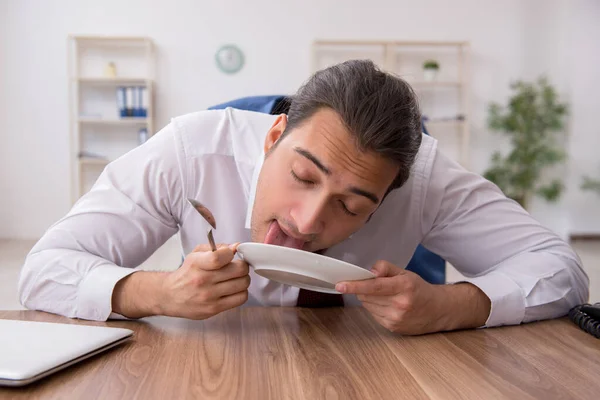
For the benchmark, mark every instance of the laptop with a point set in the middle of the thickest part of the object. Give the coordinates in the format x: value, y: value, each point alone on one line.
x: 32, y: 350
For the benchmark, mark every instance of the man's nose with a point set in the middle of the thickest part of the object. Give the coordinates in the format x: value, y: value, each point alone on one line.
x: 309, y: 215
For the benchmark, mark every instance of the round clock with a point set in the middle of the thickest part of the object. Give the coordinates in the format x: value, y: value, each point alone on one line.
x: 230, y: 59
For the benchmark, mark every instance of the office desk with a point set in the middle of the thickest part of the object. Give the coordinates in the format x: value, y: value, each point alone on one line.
x: 337, y: 353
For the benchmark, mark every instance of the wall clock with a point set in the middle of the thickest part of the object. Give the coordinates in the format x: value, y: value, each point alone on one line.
x: 230, y: 59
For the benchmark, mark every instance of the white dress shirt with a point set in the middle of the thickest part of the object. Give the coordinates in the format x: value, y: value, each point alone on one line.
x: 139, y: 202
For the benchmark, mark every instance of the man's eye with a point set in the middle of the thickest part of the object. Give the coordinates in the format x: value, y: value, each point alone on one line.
x: 302, y: 181
x: 345, y: 209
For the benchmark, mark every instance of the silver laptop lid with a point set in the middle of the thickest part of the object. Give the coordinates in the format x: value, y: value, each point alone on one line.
x: 29, y: 349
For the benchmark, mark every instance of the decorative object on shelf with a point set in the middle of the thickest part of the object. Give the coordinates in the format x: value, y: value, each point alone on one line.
x: 430, y: 70
x: 110, y: 71
x: 229, y: 59
x: 142, y: 135
x: 533, y: 120
x: 591, y: 184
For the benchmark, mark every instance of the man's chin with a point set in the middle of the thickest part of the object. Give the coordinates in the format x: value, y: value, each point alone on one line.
x: 314, y: 248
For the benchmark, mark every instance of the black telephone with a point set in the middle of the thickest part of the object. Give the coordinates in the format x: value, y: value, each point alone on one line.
x: 587, y: 316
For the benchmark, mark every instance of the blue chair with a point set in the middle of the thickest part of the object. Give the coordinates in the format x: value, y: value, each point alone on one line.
x: 426, y: 264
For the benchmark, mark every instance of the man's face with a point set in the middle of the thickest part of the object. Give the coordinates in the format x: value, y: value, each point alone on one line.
x: 316, y: 187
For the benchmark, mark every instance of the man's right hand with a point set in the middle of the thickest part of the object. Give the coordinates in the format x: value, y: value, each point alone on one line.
x: 206, y: 284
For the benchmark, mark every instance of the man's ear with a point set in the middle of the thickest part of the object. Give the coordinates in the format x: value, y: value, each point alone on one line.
x: 275, y: 132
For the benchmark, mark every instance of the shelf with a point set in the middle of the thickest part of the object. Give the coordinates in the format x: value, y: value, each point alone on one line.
x: 115, y: 81
x: 93, y: 161
x: 120, y: 121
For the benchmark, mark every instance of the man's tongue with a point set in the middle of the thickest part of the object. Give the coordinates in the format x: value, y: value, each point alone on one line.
x: 277, y: 237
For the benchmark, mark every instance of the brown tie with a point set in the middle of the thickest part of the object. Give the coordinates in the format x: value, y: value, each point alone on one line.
x: 309, y: 298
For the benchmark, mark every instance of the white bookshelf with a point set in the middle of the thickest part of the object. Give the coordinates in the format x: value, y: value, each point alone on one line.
x: 99, y: 134
x: 445, y: 100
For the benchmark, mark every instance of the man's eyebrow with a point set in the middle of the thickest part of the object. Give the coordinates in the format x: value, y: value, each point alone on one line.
x: 307, y: 154
x: 364, y: 193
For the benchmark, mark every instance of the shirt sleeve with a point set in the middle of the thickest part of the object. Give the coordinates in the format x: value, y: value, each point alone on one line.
x: 132, y: 209
x: 526, y: 270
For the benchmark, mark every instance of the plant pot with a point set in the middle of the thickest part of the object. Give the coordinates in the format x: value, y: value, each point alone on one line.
x: 430, y: 74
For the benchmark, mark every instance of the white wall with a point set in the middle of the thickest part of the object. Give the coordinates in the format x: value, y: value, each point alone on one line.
x: 510, y: 39
x: 584, y: 74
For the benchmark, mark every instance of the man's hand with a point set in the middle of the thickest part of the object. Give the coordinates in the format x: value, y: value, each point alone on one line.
x: 403, y: 302
x: 206, y: 284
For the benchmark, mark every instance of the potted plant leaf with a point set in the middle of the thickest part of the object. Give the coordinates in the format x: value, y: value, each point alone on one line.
x: 533, y: 120
x: 591, y: 184
x: 430, y: 70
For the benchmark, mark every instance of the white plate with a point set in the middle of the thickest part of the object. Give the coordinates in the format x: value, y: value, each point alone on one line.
x: 299, y: 268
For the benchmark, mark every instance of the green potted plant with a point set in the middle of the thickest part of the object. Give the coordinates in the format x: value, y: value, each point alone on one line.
x: 591, y: 184
x: 430, y: 70
x: 533, y: 119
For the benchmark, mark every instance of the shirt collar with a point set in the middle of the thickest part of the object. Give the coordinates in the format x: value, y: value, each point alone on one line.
x: 255, y: 174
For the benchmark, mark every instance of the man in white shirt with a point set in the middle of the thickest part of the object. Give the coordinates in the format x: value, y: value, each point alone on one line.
x: 347, y: 173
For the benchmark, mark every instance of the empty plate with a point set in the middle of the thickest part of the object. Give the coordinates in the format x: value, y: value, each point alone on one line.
x: 300, y: 268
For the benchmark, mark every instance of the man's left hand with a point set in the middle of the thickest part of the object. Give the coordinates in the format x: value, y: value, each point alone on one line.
x: 403, y: 302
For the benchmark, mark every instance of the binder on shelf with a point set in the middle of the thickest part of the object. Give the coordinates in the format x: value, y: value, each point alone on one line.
x: 138, y: 106
x: 143, y: 92
x: 129, y: 99
x: 121, y: 101
x: 132, y: 101
x: 135, y: 105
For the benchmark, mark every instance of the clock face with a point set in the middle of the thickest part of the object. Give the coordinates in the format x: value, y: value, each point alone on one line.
x: 230, y: 59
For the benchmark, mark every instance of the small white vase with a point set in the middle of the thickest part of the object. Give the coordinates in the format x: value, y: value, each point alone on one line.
x: 429, y: 74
